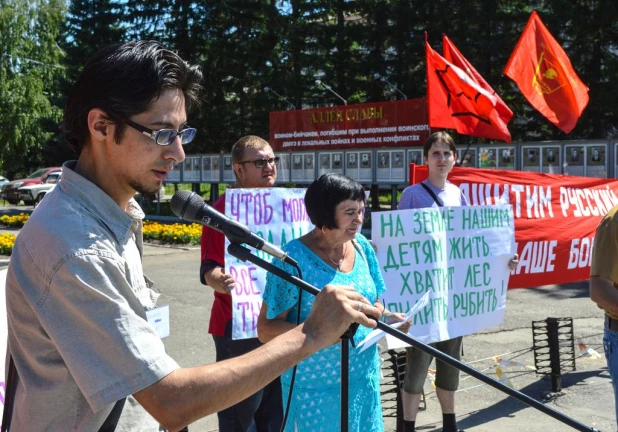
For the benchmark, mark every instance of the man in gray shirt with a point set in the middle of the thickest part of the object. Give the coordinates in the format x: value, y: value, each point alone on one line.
x: 84, y: 353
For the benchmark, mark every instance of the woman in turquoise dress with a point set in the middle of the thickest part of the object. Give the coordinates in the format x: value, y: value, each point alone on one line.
x: 333, y: 253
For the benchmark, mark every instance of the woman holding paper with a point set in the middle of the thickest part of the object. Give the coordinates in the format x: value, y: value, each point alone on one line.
x: 334, y: 252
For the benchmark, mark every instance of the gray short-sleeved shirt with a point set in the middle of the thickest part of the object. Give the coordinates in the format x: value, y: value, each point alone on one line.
x: 76, y: 296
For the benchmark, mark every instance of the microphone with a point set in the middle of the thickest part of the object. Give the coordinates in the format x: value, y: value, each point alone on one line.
x: 190, y: 206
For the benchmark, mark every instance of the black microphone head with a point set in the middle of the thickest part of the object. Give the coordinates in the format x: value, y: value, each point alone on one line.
x: 186, y: 204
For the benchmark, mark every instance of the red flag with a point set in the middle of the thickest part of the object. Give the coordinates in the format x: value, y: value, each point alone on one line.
x: 453, y: 56
x: 544, y: 74
x: 455, y: 101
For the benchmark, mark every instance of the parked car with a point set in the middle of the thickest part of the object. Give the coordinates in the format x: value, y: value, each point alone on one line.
x: 35, y: 193
x: 11, y: 190
x: 3, y: 181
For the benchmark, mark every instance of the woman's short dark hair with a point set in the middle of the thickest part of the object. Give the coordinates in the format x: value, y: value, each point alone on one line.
x: 124, y: 80
x: 328, y: 191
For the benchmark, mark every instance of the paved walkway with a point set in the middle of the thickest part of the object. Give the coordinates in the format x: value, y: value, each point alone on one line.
x: 586, y: 394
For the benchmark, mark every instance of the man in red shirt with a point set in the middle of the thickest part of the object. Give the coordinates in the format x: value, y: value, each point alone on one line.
x: 255, y: 166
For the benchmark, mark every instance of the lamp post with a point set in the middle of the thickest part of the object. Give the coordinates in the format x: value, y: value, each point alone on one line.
x: 268, y: 89
x: 330, y: 89
x: 380, y: 77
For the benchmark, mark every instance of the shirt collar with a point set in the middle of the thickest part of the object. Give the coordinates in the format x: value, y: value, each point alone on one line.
x: 100, y: 204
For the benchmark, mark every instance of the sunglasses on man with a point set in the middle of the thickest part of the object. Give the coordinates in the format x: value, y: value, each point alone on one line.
x: 164, y: 137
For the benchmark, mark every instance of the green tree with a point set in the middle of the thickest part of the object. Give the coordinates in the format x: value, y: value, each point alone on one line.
x: 88, y: 26
x: 238, y: 52
x: 588, y: 31
x: 29, y: 71
x: 246, y: 45
x: 147, y: 19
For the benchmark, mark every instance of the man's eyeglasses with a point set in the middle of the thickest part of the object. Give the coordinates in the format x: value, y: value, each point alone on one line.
x: 261, y: 163
x: 164, y: 137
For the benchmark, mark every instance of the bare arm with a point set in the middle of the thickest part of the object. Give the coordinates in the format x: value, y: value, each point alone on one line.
x: 218, y: 280
x: 268, y: 329
x: 188, y: 394
x: 513, y: 262
x: 603, y: 293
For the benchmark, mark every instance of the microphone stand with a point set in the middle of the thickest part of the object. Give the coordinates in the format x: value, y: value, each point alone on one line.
x: 345, y: 380
x: 345, y: 374
x: 245, y: 254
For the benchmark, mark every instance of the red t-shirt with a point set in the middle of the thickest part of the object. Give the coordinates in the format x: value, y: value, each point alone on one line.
x: 213, y: 244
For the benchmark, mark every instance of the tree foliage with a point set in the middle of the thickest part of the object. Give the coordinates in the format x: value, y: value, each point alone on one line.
x: 87, y: 27
x: 244, y: 46
x: 30, y: 64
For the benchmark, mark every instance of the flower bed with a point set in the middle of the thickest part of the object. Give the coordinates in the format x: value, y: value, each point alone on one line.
x: 6, y: 243
x: 17, y: 221
x: 153, y: 231
x: 172, y: 234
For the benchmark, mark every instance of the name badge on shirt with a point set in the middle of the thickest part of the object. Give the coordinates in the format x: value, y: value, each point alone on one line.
x: 159, y: 318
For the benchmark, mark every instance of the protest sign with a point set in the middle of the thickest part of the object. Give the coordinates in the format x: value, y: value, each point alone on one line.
x: 277, y: 215
x: 459, y: 255
x: 556, y: 217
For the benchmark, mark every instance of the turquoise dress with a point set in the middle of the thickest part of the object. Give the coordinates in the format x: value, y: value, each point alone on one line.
x: 316, y: 397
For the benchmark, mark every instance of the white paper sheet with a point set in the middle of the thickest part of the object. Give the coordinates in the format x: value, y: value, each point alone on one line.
x: 378, y: 334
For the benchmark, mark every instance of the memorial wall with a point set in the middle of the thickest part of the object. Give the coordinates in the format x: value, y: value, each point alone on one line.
x: 389, y: 165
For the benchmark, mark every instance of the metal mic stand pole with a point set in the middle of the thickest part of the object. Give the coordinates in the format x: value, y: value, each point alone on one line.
x: 347, y: 337
x: 345, y: 379
x: 245, y: 254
